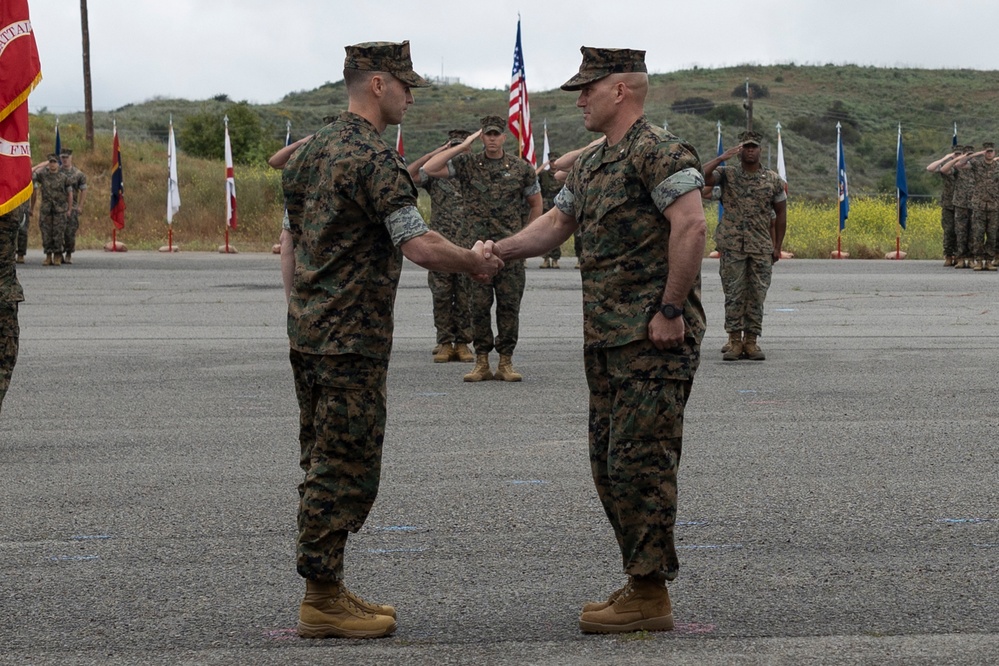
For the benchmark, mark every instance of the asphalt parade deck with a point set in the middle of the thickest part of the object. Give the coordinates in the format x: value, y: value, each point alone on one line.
x: 839, y: 502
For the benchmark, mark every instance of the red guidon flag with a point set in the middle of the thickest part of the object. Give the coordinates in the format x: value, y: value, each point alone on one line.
x: 230, y: 181
x: 20, y: 72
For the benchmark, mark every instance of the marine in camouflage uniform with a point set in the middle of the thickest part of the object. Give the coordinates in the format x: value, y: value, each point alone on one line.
x: 946, y: 205
x: 984, y: 170
x: 57, y: 199
x: 497, y: 189
x: 549, y: 188
x: 78, y: 183
x: 451, y: 292
x: 10, y: 295
x: 963, y: 191
x: 352, y: 216
x: 748, y: 239
x: 637, y: 206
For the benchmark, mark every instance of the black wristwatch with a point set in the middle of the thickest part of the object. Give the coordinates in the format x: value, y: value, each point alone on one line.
x: 670, y: 311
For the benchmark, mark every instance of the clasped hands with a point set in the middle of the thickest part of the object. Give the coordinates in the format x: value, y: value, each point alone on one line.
x: 488, y: 265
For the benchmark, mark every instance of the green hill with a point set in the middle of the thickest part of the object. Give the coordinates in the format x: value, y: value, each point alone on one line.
x: 807, y: 101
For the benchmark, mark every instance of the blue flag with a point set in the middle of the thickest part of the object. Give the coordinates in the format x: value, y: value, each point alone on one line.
x: 58, y: 149
x: 900, y: 183
x: 953, y: 140
x: 844, y: 188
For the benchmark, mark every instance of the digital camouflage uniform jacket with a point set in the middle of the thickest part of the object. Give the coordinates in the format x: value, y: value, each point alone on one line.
x: 985, y: 186
x: 748, y: 198
x: 54, y: 186
x: 617, y: 195
x: 494, y: 191
x: 351, y: 203
x: 447, y: 212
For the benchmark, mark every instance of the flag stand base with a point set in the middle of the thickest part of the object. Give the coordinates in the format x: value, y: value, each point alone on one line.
x: 836, y: 254
x: 170, y: 248
x: 228, y: 249
x: 898, y: 255
x: 115, y: 246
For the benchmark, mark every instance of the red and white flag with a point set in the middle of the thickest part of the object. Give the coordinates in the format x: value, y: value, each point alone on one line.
x: 398, y: 142
x: 519, y: 119
x: 230, y: 182
x: 20, y: 72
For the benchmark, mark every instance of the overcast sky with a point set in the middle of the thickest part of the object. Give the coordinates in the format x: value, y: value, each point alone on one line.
x: 259, y: 50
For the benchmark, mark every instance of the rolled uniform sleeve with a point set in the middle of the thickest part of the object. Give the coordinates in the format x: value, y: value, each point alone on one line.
x: 405, y: 224
x: 675, y: 186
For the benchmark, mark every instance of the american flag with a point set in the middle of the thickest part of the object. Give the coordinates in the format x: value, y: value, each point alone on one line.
x: 519, y: 119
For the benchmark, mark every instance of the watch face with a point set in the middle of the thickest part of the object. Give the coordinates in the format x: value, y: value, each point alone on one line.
x: 670, y: 311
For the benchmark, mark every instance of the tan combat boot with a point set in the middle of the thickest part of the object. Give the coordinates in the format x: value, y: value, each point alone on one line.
x: 948, y: 261
x: 554, y: 263
x: 976, y: 265
x: 731, y: 337
x: 990, y: 265
x: 545, y: 263
x: 505, y: 371
x: 734, y: 352
x: 330, y: 610
x: 600, y: 605
x: 20, y: 259
x: 751, y: 350
x: 462, y: 353
x: 442, y: 353
x: 481, y: 371
x: 48, y: 259
x: 56, y: 258
x: 961, y: 262
x: 644, y: 605
x: 67, y: 258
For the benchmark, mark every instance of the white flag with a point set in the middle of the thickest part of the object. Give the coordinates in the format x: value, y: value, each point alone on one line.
x: 230, y: 181
x: 781, y: 169
x: 173, y: 190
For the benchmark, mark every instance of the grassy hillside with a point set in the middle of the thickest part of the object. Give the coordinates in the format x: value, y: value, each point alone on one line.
x: 808, y: 101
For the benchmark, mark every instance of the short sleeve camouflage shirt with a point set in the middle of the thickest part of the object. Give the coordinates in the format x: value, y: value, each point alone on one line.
x: 351, y: 203
x: 748, y: 198
x: 493, y: 191
x: 618, y: 196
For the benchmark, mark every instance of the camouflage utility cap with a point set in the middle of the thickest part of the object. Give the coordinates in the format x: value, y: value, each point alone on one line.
x: 552, y: 155
x: 390, y: 57
x: 457, y: 135
x: 53, y: 157
x: 988, y: 145
x: 493, y: 124
x: 751, y: 138
x: 969, y: 148
x: 66, y: 153
x: 599, y: 63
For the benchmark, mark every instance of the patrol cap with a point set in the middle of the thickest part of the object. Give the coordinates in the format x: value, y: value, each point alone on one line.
x: 553, y: 155
x: 988, y: 145
x: 751, y: 137
x: 493, y: 124
x: 598, y: 63
x: 53, y: 157
x: 66, y: 153
x: 456, y: 136
x: 970, y: 148
x: 391, y: 57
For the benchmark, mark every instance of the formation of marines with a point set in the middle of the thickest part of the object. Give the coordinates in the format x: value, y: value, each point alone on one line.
x: 969, y: 202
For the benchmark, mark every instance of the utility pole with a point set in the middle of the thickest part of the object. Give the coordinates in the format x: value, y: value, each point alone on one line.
x: 748, y: 105
x: 88, y: 99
